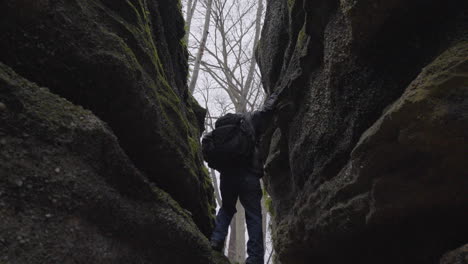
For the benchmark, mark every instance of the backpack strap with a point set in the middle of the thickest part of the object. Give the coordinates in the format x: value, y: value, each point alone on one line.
x: 248, y: 127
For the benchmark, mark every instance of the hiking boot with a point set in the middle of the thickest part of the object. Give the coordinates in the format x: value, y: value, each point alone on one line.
x: 217, y: 245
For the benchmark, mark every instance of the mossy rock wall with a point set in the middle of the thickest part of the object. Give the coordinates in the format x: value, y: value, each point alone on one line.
x: 125, y: 61
x: 70, y: 194
x: 365, y: 159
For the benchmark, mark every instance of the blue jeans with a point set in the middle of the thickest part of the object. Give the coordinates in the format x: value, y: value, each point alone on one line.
x: 244, y: 185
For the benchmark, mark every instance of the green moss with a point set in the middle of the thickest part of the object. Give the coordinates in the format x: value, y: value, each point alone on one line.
x: 145, y: 31
x: 208, y: 185
x: 178, y: 133
x: 51, y: 110
x: 301, y: 37
x: 183, y: 43
x: 291, y: 4
x: 208, y: 181
x: 130, y: 38
x: 178, y: 128
x: 164, y: 197
x: 179, y: 6
x: 268, y: 203
x: 193, y: 147
x: 205, y: 171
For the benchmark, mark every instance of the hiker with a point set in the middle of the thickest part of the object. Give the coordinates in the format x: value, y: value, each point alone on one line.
x: 232, y: 150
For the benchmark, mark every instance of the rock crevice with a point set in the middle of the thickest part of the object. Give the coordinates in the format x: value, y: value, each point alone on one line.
x: 122, y: 181
x: 125, y: 62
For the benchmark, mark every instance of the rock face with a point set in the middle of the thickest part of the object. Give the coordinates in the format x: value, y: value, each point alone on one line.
x: 458, y: 256
x: 122, y: 182
x: 69, y: 194
x: 123, y: 60
x: 365, y: 161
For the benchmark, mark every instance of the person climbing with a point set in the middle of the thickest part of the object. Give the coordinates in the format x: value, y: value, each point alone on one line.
x: 231, y: 148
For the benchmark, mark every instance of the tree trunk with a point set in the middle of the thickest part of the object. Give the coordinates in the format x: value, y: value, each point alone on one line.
x: 215, y: 186
x: 240, y: 229
x: 201, y: 49
x: 264, y: 215
x: 191, y: 5
x: 232, y: 249
x: 236, y: 252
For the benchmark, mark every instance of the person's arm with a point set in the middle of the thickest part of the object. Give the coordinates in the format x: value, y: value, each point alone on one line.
x: 262, y: 117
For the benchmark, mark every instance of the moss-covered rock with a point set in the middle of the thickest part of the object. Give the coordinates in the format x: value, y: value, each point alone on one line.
x: 69, y: 193
x: 124, y: 61
x: 341, y: 194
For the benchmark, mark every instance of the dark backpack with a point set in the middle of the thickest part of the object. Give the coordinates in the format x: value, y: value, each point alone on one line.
x: 230, y: 144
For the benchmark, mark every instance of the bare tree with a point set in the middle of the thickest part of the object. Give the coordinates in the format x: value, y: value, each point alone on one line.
x: 232, y: 243
x: 230, y: 59
x: 201, y: 48
x: 237, y: 240
x: 191, y: 5
x: 231, y: 64
x: 224, y: 54
x: 264, y: 214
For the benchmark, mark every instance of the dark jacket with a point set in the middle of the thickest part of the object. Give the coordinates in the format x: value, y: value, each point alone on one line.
x: 259, y: 121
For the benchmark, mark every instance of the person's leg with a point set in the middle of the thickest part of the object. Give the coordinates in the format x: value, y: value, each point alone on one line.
x: 250, y: 196
x: 229, y: 193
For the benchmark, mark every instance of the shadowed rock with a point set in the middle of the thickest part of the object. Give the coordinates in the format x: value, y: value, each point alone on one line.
x: 126, y: 62
x: 69, y: 194
x: 457, y: 256
x: 365, y: 159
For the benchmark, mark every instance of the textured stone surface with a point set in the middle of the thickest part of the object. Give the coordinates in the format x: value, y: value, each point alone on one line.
x: 123, y: 60
x: 69, y: 193
x: 457, y: 256
x: 365, y: 159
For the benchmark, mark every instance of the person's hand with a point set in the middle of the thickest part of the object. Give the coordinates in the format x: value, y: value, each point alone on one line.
x: 272, y: 100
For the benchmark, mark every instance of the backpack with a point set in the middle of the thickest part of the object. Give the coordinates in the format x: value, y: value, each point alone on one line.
x: 230, y: 144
